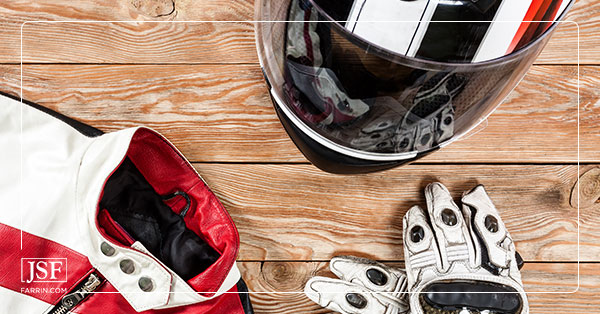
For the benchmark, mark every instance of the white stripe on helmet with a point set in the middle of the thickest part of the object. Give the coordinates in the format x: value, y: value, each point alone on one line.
x: 502, y: 31
x: 390, y: 24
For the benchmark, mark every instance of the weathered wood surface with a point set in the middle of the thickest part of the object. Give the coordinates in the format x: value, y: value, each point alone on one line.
x: 193, y: 42
x: 297, y: 212
x: 288, y: 277
x: 200, y: 85
x: 217, y: 113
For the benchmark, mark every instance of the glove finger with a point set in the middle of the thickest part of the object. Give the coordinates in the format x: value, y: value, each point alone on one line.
x: 350, y: 298
x: 420, y: 247
x: 370, y: 274
x: 449, y: 226
x: 497, y: 251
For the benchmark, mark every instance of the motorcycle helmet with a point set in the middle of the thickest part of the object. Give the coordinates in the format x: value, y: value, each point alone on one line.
x: 365, y: 85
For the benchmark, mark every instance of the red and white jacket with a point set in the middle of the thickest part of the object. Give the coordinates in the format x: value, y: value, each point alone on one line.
x: 108, y: 223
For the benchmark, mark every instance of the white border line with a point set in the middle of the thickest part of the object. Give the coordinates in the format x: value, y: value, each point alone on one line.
x: 245, y: 21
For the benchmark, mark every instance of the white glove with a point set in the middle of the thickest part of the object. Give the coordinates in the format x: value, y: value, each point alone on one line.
x: 364, y: 287
x: 456, y: 262
x: 461, y: 252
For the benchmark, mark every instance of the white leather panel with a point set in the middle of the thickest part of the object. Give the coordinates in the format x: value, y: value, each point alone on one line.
x: 15, y: 302
x: 38, y: 170
x: 51, y: 179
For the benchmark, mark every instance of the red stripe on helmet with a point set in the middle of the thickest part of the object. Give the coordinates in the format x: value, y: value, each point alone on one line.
x: 539, y: 10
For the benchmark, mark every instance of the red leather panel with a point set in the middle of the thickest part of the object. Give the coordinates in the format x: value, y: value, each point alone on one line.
x: 109, y: 301
x: 11, y: 254
x: 106, y: 301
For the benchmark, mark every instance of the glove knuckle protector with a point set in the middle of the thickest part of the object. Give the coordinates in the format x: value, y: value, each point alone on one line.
x: 458, y: 260
x: 462, y: 260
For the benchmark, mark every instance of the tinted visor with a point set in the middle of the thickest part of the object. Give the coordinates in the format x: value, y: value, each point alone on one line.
x: 359, y: 98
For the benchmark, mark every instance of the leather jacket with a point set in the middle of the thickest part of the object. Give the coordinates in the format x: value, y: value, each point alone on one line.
x: 108, y: 223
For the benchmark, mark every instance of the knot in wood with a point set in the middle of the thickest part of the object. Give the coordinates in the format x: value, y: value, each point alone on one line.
x: 284, y: 276
x: 588, y: 186
x: 154, y: 8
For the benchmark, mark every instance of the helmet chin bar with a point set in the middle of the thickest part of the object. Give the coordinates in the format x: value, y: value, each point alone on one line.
x: 331, y: 161
x: 472, y: 296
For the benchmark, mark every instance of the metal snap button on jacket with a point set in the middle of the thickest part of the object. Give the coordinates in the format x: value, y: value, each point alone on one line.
x: 107, y: 249
x: 146, y: 284
x: 127, y: 266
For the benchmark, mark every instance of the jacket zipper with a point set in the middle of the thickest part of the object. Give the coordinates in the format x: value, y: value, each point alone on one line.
x: 78, y: 294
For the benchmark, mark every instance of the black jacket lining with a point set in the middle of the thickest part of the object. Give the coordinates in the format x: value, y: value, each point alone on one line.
x: 137, y: 208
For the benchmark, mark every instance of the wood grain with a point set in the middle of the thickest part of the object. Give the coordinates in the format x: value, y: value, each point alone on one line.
x: 153, y: 42
x: 584, y: 24
x: 297, y: 212
x: 200, y: 85
x: 277, y: 277
x: 193, y: 42
x: 224, y: 113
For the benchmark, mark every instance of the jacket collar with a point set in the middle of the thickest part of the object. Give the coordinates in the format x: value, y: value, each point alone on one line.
x: 100, y: 160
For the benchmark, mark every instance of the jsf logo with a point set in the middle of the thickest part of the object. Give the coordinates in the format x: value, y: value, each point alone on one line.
x: 43, y: 270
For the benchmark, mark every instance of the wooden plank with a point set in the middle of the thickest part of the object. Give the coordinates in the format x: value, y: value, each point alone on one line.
x: 192, y: 42
x: 198, y: 43
x: 129, y: 43
x: 216, y: 113
x: 584, y: 23
x: 296, y: 212
x: 281, y: 279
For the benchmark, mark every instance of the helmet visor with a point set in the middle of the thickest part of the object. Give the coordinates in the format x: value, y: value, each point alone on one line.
x: 368, y: 98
